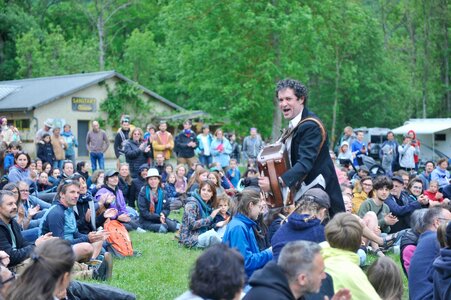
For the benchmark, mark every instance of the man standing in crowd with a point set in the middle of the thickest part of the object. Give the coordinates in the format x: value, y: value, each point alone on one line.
x: 97, y: 143
x: 299, y: 271
x: 204, y: 140
x: 307, y: 146
x: 120, y: 140
x: 388, y: 153
x: 406, y: 154
x: 46, y: 129
x: 163, y: 142
x: 358, y: 147
x: 348, y: 136
x: 185, y: 143
x: 252, y: 145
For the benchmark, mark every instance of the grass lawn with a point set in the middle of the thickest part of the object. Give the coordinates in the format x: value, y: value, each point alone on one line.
x: 160, y: 273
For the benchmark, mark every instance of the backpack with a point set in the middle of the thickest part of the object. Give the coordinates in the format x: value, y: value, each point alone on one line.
x: 119, y: 240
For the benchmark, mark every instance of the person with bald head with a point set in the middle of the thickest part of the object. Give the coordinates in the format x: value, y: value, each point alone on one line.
x: 97, y: 143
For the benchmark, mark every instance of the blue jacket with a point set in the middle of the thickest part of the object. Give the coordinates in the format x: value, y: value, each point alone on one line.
x: 297, y: 229
x: 222, y: 157
x: 402, y: 208
x: 442, y: 275
x: 421, y: 269
x: 8, y: 162
x: 240, y: 235
x: 71, y: 142
x: 235, y: 179
x: 61, y: 222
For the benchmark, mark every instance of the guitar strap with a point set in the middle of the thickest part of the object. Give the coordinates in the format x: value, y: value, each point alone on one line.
x: 291, y: 131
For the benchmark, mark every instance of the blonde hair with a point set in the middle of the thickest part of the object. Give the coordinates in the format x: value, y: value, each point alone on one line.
x: 344, y: 232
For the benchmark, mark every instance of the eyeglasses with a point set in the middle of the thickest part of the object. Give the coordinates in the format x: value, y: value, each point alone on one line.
x: 24, y: 191
x: 417, y: 187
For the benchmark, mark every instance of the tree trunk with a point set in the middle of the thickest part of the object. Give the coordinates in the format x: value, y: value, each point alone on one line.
x: 277, y: 116
x: 426, y: 13
x: 337, y: 86
x: 445, y: 62
x: 101, y: 34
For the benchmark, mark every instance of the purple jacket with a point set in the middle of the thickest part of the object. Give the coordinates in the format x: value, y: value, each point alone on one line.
x: 118, y: 204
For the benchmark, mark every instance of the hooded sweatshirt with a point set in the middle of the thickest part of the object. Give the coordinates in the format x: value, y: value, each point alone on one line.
x: 298, y: 228
x: 240, y: 235
x: 269, y: 283
x: 441, y: 176
x: 442, y: 275
x: 343, y: 266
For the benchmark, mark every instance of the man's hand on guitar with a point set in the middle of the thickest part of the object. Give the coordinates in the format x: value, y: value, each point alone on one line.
x: 263, y: 182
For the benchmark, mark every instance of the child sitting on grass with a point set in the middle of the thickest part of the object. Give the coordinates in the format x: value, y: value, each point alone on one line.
x: 223, y: 217
x: 171, y: 192
x: 233, y: 173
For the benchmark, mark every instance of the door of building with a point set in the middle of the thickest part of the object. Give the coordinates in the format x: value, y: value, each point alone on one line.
x: 83, y: 128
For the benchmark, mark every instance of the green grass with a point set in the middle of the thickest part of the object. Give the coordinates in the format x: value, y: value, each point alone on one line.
x: 160, y: 273
x: 371, y: 258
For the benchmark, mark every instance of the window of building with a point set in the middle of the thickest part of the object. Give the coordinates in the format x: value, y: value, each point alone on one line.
x: 21, y: 124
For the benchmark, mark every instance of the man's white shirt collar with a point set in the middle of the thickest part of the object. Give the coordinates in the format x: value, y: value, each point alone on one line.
x: 295, y: 121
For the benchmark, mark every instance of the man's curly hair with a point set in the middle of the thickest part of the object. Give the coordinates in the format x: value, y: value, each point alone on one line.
x: 299, y: 89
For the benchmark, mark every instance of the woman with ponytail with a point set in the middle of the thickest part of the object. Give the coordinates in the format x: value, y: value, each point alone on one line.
x: 48, y: 274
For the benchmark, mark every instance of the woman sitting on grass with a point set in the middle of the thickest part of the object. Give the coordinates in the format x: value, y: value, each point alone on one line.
x: 197, y: 224
x: 154, y: 206
x: 240, y: 232
x: 48, y: 274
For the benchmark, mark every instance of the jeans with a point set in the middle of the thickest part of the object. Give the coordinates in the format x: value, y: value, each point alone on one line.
x: 208, y: 238
x: 97, y: 157
x: 206, y: 160
x: 58, y: 164
x: 71, y: 157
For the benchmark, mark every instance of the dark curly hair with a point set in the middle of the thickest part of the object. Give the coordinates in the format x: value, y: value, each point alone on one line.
x: 299, y: 89
x: 381, y: 182
x: 218, y: 273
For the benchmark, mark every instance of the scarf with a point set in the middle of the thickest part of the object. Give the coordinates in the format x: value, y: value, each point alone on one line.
x: 155, y: 199
x: 204, y: 208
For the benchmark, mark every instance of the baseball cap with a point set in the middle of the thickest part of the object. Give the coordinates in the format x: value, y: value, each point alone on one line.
x: 319, y: 196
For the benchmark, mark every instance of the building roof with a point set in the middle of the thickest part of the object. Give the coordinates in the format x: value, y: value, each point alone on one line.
x: 424, y: 126
x: 28, y: 94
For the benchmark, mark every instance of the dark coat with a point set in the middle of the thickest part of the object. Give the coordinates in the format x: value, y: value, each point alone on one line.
x: 45, y: 153
x: 23, y: 248
x: 308, y: 161
x: 144, y: 204
x: 135, y: 157
x: 297, y: 229
x: 442, y: 275
x: 269, y: 283
x: 181, y: 144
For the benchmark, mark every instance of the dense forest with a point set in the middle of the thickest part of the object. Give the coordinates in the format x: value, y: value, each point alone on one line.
x: 365, y: 62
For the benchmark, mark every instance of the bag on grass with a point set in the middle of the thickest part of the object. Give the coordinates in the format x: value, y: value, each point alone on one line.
x: 119, y: 240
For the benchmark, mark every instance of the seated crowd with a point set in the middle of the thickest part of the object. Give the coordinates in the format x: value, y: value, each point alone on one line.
x: 295, y: 252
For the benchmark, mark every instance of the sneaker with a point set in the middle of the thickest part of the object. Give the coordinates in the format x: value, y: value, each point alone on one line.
x: 105, y: 269
x: 163, y: 229
x: 140, y: 230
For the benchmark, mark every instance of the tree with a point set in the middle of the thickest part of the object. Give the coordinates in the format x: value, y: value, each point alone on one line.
x: 140, y: 58
x: 100, y: 13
